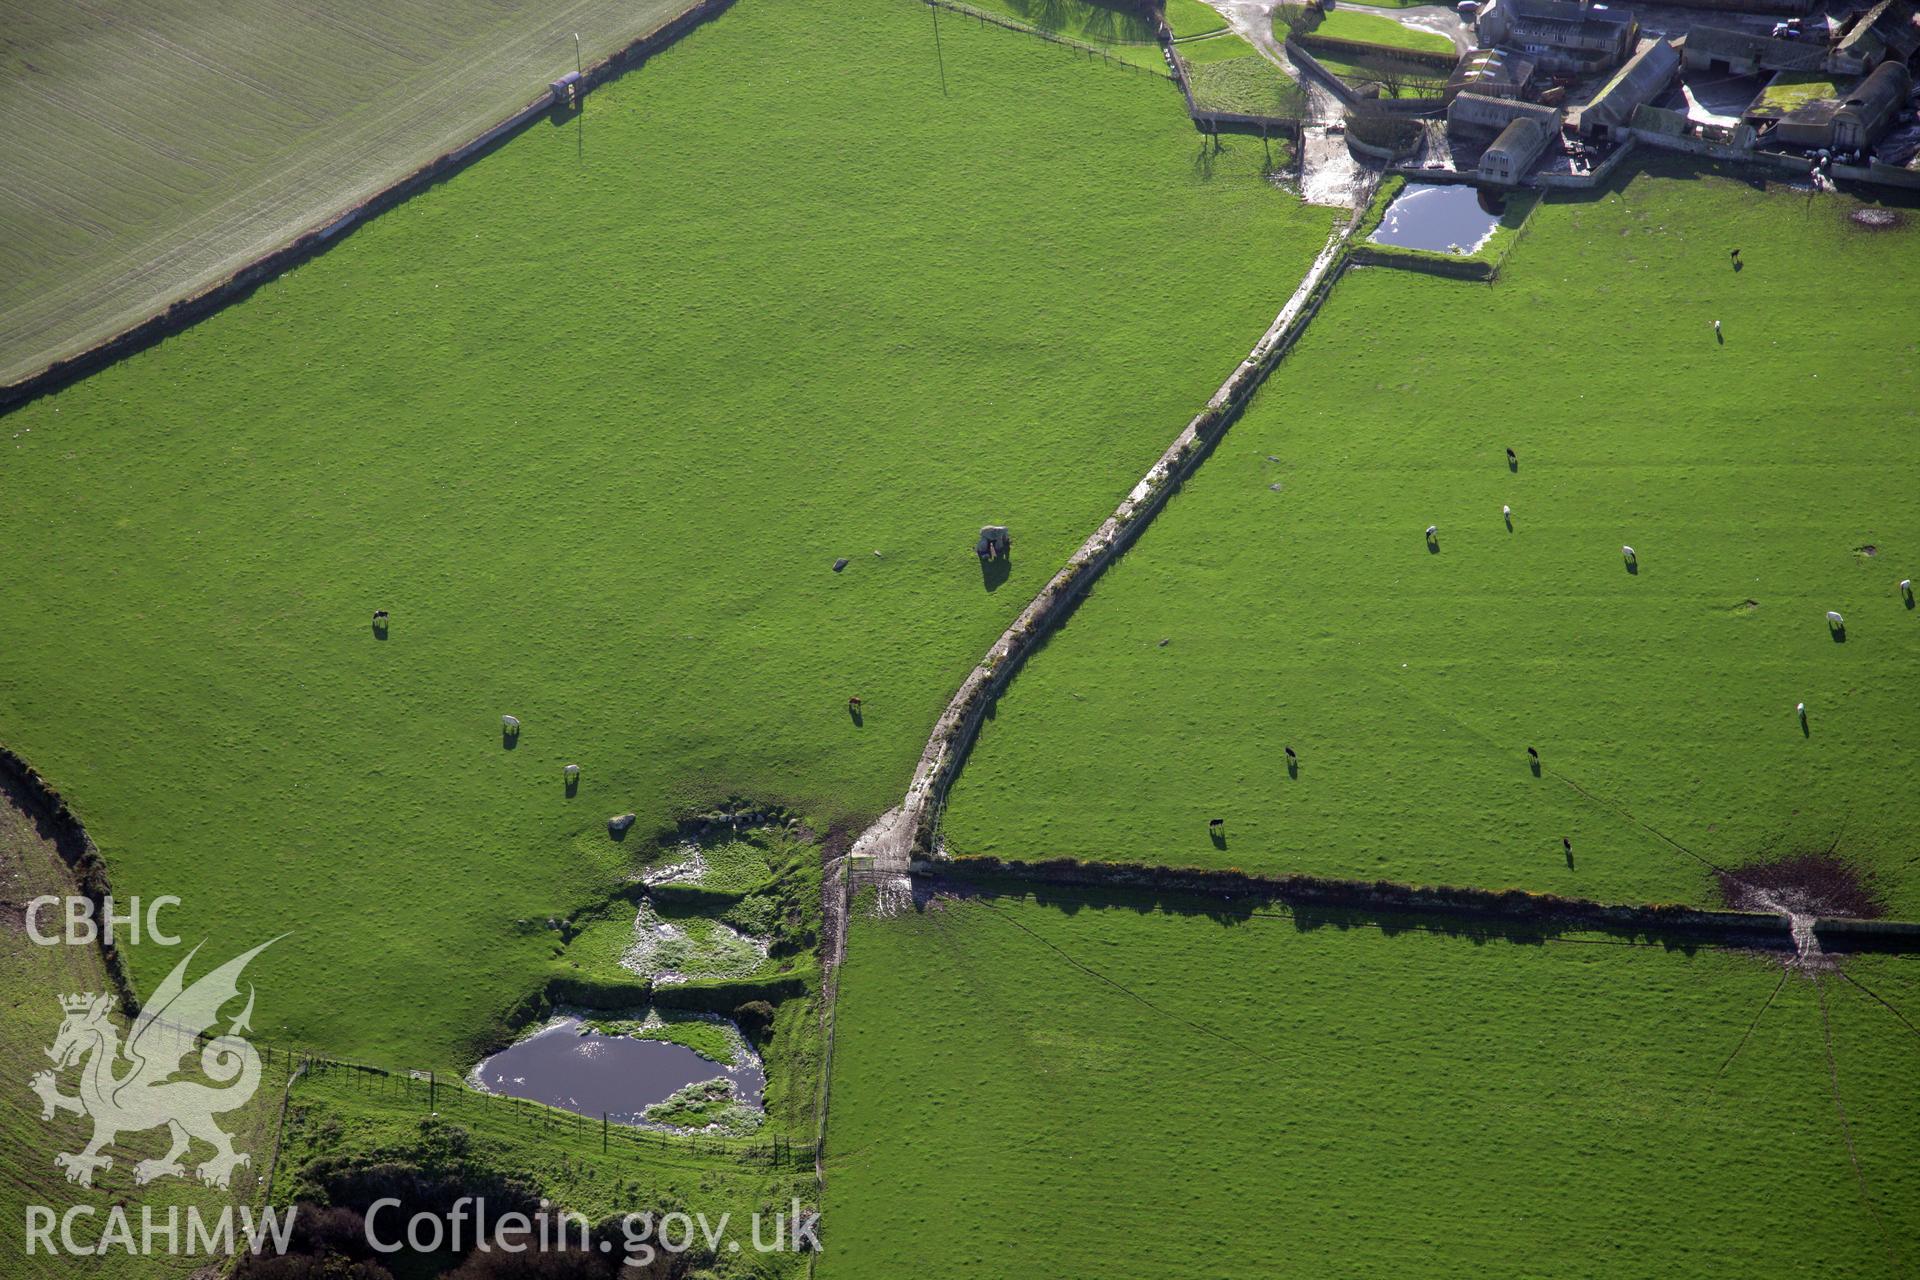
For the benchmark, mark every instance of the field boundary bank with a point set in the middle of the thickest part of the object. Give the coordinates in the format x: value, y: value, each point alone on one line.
x: 43, y: 802
x: 1540, y: 913
x: 183, y: 313
x: 913, y: 827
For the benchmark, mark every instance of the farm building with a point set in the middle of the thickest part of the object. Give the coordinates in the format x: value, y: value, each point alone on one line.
x: 1512, y: 154
x: 1814, y: 112
x: 1494, y: 73
x: 1646, y: 76
x: 1869, y: 111
x: 1742, y: 53
x: 1887, y: 32
x: 1473, y: 111
x: 1559, y: 35
x: 1798, y: 107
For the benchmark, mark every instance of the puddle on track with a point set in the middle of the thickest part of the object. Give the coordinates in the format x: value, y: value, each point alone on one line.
x: 1443, y: 218
x: 593, y: 1073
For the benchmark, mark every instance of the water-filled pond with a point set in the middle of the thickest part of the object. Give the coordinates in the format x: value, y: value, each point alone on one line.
x: 593, y: 1073
x: 1442, y: 217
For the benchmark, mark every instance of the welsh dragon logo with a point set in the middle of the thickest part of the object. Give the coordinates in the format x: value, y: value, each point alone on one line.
x: 131, y: 1088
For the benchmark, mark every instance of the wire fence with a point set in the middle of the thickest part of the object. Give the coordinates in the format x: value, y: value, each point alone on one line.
x: 427, y: 1092
x: 1008, y: 24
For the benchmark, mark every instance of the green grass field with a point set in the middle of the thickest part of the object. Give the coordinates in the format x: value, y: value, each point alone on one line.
x: 1286, y: 597
x: 155, y: 149
x: 1121, y: 1090
x: 1370, y: 28
x: 1187, y: 18
x: 34, y: 978
x: 593, y: 420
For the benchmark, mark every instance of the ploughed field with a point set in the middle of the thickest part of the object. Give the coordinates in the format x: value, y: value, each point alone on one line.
x: 593, y: 420
x: 1288, y: 597
x: 151, y: 149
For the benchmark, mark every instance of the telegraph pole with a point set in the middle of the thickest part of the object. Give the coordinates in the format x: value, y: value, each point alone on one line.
x: 936, y: 49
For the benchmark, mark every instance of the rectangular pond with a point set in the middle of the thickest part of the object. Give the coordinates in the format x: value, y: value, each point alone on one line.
x: 1441, y: 217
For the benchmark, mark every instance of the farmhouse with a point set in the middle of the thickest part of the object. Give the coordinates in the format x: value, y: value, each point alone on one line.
x: 1514, y: 151
x: 1559, y: 35
x: 1644, y: 78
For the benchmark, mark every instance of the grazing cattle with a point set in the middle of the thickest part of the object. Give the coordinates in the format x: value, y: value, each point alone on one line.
x: 1628, y: 554
x: 853, y: 704
x: 1506, y: 513
x: 1533, y: 755
x: 1433, y: 532
x: 1566, y: 844
x: 1216, y: 825
x: 1290, y: 755
x: 1800, y: 709
x: 1906, y: 587
x: 1512, y: 456
x: 510, y: 724
x: 1835, y: 620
